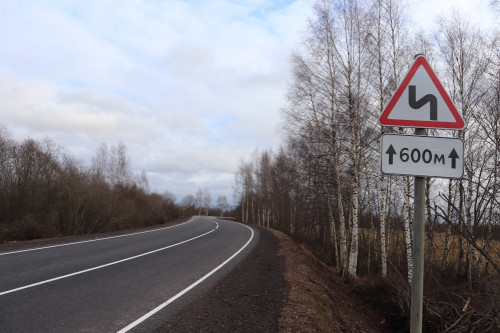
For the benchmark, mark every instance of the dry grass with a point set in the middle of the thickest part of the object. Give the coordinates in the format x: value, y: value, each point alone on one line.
x: 398, y: 255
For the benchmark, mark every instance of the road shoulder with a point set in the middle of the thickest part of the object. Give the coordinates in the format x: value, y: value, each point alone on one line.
x: 247, y: 299
x: 279, y: 287
x: 319, y: 300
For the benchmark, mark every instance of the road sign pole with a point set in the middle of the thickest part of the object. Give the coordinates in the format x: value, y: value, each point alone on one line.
x: 417, y: 288
x: 420, y: 101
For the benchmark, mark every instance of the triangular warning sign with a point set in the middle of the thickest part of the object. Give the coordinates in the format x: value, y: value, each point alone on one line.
x: 421, y: 101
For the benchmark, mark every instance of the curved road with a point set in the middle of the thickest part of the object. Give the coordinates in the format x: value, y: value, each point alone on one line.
x: 131, y: 282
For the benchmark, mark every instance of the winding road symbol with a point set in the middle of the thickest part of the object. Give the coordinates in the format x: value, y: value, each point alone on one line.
x: 429, y: 98
x: 419, y: 88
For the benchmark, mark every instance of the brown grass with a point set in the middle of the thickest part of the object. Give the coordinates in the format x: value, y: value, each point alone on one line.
x: 397, y: 250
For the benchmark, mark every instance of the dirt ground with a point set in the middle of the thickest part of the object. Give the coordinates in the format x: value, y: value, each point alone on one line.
x: 279, y: 287
x: 319, y: 301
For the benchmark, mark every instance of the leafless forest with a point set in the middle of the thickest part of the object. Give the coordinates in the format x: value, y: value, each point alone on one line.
x: 46, y: 192
x: 324, y: 186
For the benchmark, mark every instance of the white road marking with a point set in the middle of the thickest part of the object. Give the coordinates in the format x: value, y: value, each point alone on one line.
x: 106, y: 265
x: 95, y: 240
x: 170, y: 300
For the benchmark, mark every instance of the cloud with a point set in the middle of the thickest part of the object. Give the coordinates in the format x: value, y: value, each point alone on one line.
x: 190, y: 87
x: 184, y: 60
x: 425, y: 12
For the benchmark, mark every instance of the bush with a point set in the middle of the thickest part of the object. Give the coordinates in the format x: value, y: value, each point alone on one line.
x: 29, y: 228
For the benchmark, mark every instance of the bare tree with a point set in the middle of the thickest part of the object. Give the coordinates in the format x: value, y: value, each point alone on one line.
x: 462, y: 47
x: 387, y: 44
x: 188, y: 201
x: 199, y: 200
x: 222, y: 204
x: 207, y: 200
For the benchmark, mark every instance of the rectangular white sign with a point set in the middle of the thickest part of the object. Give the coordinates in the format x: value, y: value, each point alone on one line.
x: 424, y: 156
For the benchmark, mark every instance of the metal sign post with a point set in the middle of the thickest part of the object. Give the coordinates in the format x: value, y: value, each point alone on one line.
x: 417, y: 288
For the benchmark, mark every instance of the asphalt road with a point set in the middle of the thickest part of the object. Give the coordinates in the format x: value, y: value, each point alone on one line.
x: 131, y: 282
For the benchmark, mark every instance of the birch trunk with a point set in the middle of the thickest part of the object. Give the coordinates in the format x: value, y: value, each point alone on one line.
x: 446, y: 250
x: 487, y: 250
x: 342, y: 231
x: 373, y: 241
x: 490, y: 215
x: 333, y: 234
x: 268, y: 216
x: 473, y: 258
x: 243, y: 210
x: 258, y: 213
x: 353, y: 253
x: 253, y: 211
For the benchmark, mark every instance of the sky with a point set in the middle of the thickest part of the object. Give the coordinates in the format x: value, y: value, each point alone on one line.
x: 190, y: 87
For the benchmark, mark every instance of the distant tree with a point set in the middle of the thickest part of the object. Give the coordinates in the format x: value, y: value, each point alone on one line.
x: 119, y: 165
x: 188, y: 204
x: 199, y: 200
x: 113, y: 165
x: 207, y: 200
x: 100, y: 162
x: 188, y: 201
x: 168, y: 197
x: 143, y: 182
x: 222, y: 204
x: 244, y: 188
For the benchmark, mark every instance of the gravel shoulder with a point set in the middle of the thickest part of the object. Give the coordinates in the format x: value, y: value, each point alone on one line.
x: 247, y: 299
x: 278, y: 287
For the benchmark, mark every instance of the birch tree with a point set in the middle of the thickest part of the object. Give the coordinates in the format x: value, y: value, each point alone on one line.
x: 462, y: 48
x: 386, y: 44
x: 207, y: 200
x: 199, y: 199
x: 313, y: 100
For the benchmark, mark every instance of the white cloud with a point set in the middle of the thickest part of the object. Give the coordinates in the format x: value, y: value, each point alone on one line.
x: 423, y: 13
x: 189, y: 87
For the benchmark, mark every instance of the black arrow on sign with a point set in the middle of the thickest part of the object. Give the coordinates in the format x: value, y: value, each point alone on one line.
x: 391, y: 151
x: 453, y: 155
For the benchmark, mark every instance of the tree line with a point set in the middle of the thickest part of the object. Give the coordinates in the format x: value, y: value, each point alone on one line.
x: 324, y: 185
x: 45, y: 192
x: 201, y: 203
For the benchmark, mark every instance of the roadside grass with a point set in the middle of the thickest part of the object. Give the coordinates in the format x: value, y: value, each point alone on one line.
x: 397, y: 251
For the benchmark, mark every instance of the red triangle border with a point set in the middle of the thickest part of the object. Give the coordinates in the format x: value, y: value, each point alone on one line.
x: 384, y: 118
